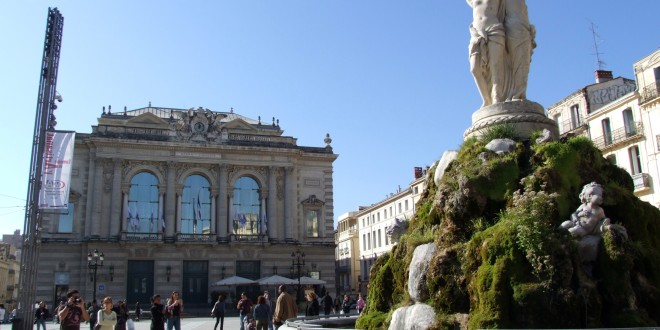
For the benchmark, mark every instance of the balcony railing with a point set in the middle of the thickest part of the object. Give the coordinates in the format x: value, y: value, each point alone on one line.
x: 569, y: 125
x: 651, y: 91
x: 619, y: 136
x: 199, y: 238
x: 141, y: 237
x: 248, y: 238
x: 641, y: 181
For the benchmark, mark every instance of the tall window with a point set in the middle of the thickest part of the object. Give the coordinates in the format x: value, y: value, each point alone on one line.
x: 635, y: 160
x: 629, y: 122
x: 364, y: 242
x: 607, y: 131
x: 196, y: 206
x: 385, y: 214
x: 246, y: 206
x: 143, y: 204
x: 406, y: 205
x: 66, y: 220
x: 312, y: 223
x: 380, y: 242
x: 576, y: 119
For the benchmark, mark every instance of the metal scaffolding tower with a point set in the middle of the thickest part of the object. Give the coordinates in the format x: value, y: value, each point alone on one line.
x: 44, y: 121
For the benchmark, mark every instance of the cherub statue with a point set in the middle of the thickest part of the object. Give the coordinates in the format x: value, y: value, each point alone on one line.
x: 589, y: 218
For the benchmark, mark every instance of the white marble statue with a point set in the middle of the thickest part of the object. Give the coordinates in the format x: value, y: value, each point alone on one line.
x: 501, y: 44
x: 589, y: 218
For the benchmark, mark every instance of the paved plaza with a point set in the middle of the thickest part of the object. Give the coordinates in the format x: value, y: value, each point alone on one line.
x: 193, y: 323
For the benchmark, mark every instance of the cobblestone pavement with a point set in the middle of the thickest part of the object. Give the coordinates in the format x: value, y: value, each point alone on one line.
x: 198, y: 323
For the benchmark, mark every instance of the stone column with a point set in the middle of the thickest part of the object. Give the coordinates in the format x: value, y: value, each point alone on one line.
x: 222, y: 220
x: 97, y: 197
x: 116, y: 206
x: 125, y: 190
x: 214, y: 197
x: 170, y: 201
x: 230, y: 206
x: 263, y: 195
x: 89, y: 199
x: 162, y: 189
x: 270, y: 210
x: 290, y: 228
x: 177, y: 219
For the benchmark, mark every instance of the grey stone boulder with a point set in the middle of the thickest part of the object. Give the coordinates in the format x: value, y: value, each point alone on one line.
x: 501, y: 146
x: 419, y: 266
x: 415, y: 317
x: 442, y: 165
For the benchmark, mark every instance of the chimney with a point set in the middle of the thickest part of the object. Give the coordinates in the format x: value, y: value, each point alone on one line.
x: 603, y: 76
x: 418, y: 173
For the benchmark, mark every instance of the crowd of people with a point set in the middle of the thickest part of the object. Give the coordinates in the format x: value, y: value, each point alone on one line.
x: 266, y: 314
x: 269, y: 314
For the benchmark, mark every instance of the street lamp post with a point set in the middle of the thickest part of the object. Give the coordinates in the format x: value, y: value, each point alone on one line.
x: 94, y: 261
x: 298, y: 261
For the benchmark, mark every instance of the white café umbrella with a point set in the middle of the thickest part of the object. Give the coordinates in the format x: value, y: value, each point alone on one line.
x: 276, y: 280
x: 234, y: 280
x: 305, y: 280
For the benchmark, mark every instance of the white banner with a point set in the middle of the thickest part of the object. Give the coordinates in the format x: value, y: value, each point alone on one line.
x: 56, y: 171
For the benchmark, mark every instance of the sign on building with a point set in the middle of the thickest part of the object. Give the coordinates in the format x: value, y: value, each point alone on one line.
x: 56, y: 171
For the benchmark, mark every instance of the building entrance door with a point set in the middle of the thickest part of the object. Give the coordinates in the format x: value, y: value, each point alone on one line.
x: 250, y: 270
x: 195, y: 282
x: 140, y: 286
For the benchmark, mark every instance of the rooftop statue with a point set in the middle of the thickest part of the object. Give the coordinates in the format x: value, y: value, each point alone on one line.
x: 501, y: 44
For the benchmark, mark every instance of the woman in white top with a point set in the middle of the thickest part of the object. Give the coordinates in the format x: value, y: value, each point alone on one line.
x: 106, y: 317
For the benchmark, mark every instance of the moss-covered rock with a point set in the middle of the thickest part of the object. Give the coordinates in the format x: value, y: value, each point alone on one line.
x: 500, y: 256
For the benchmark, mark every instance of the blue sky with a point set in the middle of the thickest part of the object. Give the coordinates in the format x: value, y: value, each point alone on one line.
x: 389, y: 80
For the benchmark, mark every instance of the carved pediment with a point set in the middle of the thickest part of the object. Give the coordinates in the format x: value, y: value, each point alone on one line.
x: 313, y: 201
x: 147, y: 119
x: 239, y: 124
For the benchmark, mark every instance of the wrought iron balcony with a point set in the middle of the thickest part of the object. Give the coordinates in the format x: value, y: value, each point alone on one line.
x: 141, y: 237
x: 651, y: 91
x: 641, y: 181
x: 619, y: 136
x: 568, y: 125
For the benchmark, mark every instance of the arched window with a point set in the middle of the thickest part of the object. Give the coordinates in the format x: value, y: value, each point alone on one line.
x: 143, y: 204
x: 196, y: 206
x: 246, y: 220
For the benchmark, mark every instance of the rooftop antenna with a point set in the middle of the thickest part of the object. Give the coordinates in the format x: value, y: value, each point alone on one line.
x: 597, y: 40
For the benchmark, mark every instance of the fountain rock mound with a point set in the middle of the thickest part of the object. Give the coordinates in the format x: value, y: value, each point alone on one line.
x: 485, y: 248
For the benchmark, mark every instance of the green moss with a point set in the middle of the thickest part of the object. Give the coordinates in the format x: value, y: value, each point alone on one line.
x: 375, y: 320
x: 503, y: 131
x: 500, y: 256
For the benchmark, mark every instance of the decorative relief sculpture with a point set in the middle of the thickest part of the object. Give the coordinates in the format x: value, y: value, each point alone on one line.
x: 395, y: 230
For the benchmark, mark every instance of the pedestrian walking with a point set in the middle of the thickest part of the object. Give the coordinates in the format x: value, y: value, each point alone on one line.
x: 338, y: 303
x: 218, y: 312
x: 175, y: 310
x: 121, y: 309
x: 157, y: 314
x: 269, y: 302
x: 327, y: 304
x: 312, y: 304
x: 285, y: 308
x: 262, y: 313
x: 360, y: 304
x: 40, y: 315
x: 138, y: 311
x: 106, y: 316
x: 93, y: 313
x: 244, y: 307
x: 73, y: 312
x: 346, y: 305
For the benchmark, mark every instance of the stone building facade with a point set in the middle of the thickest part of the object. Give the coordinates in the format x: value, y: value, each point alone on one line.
x: 362, y: 235
x: 179, y: 199
x: 622, y: 118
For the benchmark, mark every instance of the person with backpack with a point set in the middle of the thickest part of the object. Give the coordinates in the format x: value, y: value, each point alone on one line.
x: 40, y: 315
x: 218, y: 312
